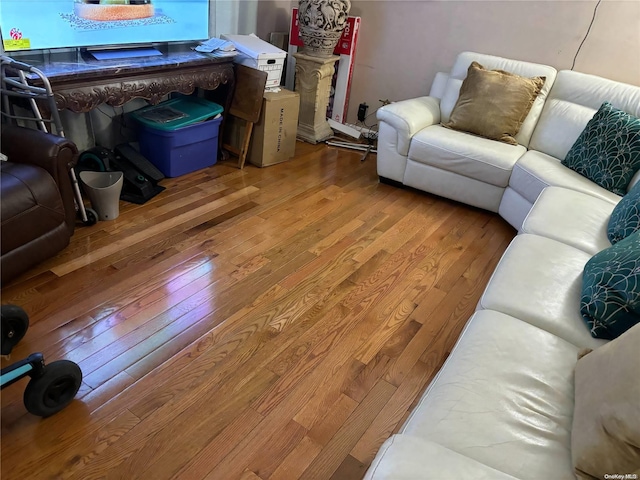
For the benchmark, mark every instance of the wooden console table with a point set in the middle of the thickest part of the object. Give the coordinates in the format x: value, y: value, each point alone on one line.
x: 81, y: 84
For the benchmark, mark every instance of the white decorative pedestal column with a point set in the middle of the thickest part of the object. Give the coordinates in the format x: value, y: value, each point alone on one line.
x: 313, y: 83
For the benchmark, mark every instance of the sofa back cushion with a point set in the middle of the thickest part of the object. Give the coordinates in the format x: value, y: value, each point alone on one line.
x: 573, y: 101
x: 439, y: 85
x: 490, y: 62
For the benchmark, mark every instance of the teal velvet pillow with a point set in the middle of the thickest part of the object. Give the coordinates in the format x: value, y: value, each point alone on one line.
x: 607, y: 151
x: 610, y: 302
x: 625, y: 218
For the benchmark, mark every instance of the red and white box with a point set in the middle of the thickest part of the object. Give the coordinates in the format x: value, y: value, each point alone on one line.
x: 341, y: 83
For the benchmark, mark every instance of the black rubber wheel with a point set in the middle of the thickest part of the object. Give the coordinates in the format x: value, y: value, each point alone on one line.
x: 92, y: 217
x: 15, y: 323
x: 54, y: 390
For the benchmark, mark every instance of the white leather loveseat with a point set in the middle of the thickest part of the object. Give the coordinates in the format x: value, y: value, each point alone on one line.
x: 502, y: 405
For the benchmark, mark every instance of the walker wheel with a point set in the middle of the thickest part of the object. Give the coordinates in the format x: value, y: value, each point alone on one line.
x: 92, y: 217
x: 54, y: 389
x: 15, y: 323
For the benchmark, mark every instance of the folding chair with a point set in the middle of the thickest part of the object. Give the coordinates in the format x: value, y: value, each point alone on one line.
x: 246, y: 105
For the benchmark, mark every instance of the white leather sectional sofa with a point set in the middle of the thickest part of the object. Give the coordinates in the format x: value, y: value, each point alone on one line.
x: 415, y: 150
x: 502, y: 405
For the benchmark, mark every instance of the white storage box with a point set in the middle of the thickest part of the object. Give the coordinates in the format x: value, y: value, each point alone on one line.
x: 258, y: 54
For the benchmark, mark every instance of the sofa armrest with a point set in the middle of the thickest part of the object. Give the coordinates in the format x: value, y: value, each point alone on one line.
x: 57, y: 155
x: 408, y: 117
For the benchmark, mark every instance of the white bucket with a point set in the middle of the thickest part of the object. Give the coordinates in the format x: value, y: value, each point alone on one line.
x: 103, y: 189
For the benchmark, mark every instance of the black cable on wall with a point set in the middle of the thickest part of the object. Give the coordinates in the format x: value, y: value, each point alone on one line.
x: 595, y: 10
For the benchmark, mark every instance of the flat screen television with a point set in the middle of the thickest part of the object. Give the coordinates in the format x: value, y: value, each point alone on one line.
x: 48, y: 24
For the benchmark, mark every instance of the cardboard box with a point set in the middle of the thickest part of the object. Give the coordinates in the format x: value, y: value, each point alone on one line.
x: 274, y: 136
x: 256, y: 53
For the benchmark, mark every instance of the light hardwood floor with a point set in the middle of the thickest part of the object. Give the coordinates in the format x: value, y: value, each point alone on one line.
x: 274, y: 323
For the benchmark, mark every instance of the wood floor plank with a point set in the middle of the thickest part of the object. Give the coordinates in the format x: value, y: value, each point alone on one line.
x: 209, y: 456
x: 367, y: 378
x: 249, y: 475
x: 297, y: 461
x: 334, y: 453
x: 60, y: 308
x: 293, y: 399
x: 392, y: 321
x: 281, y: 444
x: 158, y: 456
x: 384, y: 424
x: 326, y: 395
x: 253, y: 324
x: 137, y: 311
x: 101, y: 440
x: 323, y: 429
x: 133, y: 323
x: 338, y: 345
x: 141, y: 236
x: 349, y: 469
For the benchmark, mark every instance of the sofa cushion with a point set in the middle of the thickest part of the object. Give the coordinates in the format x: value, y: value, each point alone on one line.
x: 536, y: 171
x: 571, y: 217
x: 493, y: 103
x: 539, y: 280
x: 572, y: 102
x: 405, y: 457
x: 608, y: 149
x: 453, y: 185
x: 610, y: 302
x: 524, y: 69
x: 468, y: 155
x: 504, y: 398
x: 605, y: 436
x: 625, y: 218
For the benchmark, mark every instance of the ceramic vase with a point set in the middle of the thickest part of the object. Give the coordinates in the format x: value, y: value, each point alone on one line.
x: 321, y: 24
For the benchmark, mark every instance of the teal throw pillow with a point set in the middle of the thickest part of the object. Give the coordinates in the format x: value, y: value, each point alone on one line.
x: 607, y: 152
x: 610, y: 302
x: 625, y: 218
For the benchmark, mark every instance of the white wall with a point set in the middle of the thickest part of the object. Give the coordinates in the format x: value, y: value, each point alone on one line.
x: 404, y: 43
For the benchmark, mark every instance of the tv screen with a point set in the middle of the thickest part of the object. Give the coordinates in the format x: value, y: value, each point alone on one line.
x: 45, y: 24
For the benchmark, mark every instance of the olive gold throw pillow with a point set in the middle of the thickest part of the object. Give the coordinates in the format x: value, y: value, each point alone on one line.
x: 494, y: 103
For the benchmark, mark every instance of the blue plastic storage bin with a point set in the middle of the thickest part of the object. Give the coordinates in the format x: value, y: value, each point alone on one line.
x: 179, y: 151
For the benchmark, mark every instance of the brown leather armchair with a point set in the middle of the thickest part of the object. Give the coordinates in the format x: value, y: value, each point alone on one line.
x: 36, y: 198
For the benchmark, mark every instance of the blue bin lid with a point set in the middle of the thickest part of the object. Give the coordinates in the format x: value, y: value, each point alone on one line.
x: 177, y: 113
